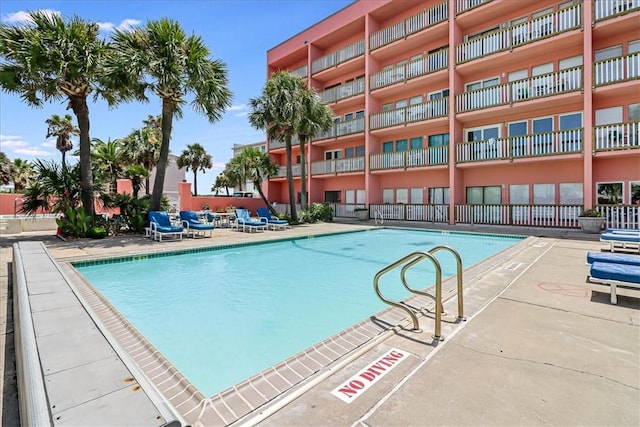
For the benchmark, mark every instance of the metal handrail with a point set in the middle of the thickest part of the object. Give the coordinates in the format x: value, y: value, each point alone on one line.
x: 414, y: 258
x: 458, y: 275
x: 378, y: 218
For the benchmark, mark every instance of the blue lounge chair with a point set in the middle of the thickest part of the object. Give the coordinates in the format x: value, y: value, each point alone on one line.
x: 160, y: 226
x: 615, y: 275
x: 622, y: 230
x: 627, y: 241
x: 193, y: 226
x: 243, y: 221
x: 627, y: 259
x: 272, y: 222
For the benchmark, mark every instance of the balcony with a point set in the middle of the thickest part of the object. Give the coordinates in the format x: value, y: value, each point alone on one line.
x: 282, y: 171
x: 336, y: 166
x: 606, y: 9
x: 413, y: 113
x: 300, y: 72
x: 344, y: 91
x: 418, y: 67
x: 409, y: 26
x: 616, y: 70
x: 541, y: 86
x: 569, y: 141
x: 275, y: 143
x: 342, y: 129
x: 465, y: 5
x: 504, y: 39
x: 408, y: 159
x: 617, y: 136
x: 523, y: 215
x: 333, y: 59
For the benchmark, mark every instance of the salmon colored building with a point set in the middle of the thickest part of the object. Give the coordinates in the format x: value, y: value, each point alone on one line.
x: 472, y: 111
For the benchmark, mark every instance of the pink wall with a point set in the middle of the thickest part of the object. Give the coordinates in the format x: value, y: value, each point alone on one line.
x: 8, y: 202
x: 191, y: 203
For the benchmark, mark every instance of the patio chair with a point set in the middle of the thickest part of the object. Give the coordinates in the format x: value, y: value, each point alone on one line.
x: 614, y: 258
x: 193, y: 226
x: 243, y: 221
x: 160, y: 226
x: 614, y: 275
x: 271, y: 221
x: 626, y: 241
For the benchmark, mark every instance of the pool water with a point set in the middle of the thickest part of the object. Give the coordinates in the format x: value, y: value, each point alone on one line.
x: 223, y: 315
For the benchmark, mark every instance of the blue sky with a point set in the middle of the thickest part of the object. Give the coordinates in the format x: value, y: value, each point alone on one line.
x: 237, y: 32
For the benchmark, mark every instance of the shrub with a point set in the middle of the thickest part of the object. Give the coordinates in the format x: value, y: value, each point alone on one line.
x: 591, y: 213
x: 321, y: 212
x: 96, y: 233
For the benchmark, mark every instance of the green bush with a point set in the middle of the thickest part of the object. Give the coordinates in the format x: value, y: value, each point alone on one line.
x: 321, y: 212
x: 96, y: 233
x: 74, y: 222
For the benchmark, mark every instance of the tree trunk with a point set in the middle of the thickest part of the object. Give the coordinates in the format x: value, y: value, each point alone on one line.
x: 195, y: 182
x: 292, y: 190
x: 303, y: 173
x: 64, y: 164
x: 258, y: 186
x: 168, y: 108
x: 81, y: 110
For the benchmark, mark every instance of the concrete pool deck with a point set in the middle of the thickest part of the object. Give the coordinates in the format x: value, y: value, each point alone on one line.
x: 539, y: 347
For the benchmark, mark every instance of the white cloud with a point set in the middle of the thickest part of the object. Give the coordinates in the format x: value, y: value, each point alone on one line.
x: 218, y: 166
x: 243, y: 114
x: 10, y: 141
x: 237, y: 107
x: 50, y: 143
x: 22, y: 17
x: 125, y: 25
x: 32, y: 152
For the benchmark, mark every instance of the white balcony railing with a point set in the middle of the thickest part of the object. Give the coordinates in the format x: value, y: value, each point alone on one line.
x: 335, y: 166
x: 412, y: 158
x: 541, y: 27
x: 344, y: 91
x: 282, y: 171
x: 408, y: 26
x: 614, y: 70
x: 464, y: 5
x: 300, y: 72
x: 554, y: 83
x: 564, y: 216
x: 348, y: 52
x: 275, y: 143
x: 603, y: 9
x: 417, y: 67
x: 567, y: 141
x: 341, y: 129
x: 413, y: 113
x: 617, y: 136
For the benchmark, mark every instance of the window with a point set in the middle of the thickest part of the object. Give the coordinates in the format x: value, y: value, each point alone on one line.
x: 401, y: 145
x: 349, y: 152
x: 518, y: 137
x: 332, y: 196
x: 415, y: 100
x: 437, y: 140
x: 360, y: 196
x: 348, y: 116
x: 490, y: 195
x: 387, y: 195
x: 544, y: 194
x: 387, y: 107
x: 519, y: 194
x: 416, y: 143
x: 439, y: 196
x: 542, y: 135
x: 359, y: 114
x: 330, y: 155
x: 482, y: 84
x: 634, y: 112
x: 609, y: 193
x: 360, y: 151
x: 634, y: 192
x: 571, y: 193
x: 609, y: 71
x: 489, y: 148
x: 571, y: 132
x: 417, y: 195
x: 387, y: 147
x: 402, y: 195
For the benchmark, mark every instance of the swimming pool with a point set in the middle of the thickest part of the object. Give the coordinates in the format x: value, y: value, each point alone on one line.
x: 223, y: 315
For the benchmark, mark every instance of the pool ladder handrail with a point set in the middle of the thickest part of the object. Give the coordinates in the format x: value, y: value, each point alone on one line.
x: 378, y: 218
x: 409, y: 261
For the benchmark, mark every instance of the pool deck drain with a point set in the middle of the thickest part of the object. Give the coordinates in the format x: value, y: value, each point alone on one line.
x: 495, y: 296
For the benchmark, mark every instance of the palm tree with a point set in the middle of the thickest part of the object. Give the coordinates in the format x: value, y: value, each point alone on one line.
x: 222, y: 180
x: 6, y: 169
x: 49, y: 59
x: 62, y: 128
x: 162, y: 58
x: 109, y: 159
x: 236, y: 172
x: 258, y: 167
x: 277, y: 111
x: 142, y: 147
x: 196, y: 158
x: 23, y: 174
x: 136, y: 173
x: 315, y: 117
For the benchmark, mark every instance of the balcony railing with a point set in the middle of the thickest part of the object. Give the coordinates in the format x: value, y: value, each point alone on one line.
x: 413, y: 113
x: 535, y: 145
x: 412, y: 158
x: 526, y: 215
x: 541, y: 27
x: 521, y: 90
x: 621, y: 216
x: 344, y: 91
x: 338, y: 57
x: 615, y: 70
x: 275, y: 143
x: 300, y: 72
x: 464, y: 5
x: 341, y: 129
x: 282, y: 171
x: 412, y: 212
x: 335, y: 166
x: 617, y: 136
x: 418, y: 67
x: 604, y: 9
x: 408, y: 26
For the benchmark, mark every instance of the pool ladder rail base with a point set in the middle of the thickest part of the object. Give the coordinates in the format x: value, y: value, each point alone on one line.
x: 407, y: 262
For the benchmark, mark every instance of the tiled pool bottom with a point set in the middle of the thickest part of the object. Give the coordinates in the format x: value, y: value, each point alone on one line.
x: 252, y: 394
